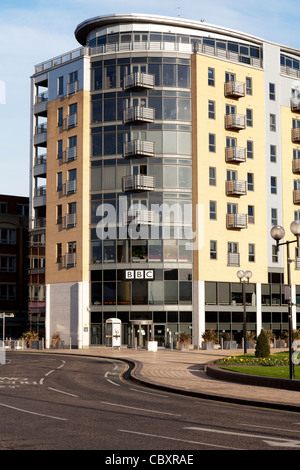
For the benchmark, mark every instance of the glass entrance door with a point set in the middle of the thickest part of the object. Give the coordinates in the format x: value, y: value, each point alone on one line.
x: 141, y: 332
x: 160, y: 335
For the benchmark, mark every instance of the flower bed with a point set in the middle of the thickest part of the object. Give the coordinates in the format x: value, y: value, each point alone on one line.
x: 279, y: 359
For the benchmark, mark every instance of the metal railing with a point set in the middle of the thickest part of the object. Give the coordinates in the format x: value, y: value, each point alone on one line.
x: 138, y: 183
x: 296, y: 134
x: 139, y: 80
x: 238, y: 221
x: 236, y: 187
x: 296, y: 165
x: 70, y: 220
x: 234, y: 89
x: 138, y: 148
x: 138, y: 114
x: 235, y: 121
x: 235, y: 154
x: 233, y: 259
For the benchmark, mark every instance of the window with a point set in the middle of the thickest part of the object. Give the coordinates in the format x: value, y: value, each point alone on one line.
x: 296, y: 215
x: 59, y: 214
x: 58, y: 252
x: 72, y: 181
x: 273, y: 185
x: 212, y: 176
x: 272, y: 122
x: 274, y: 216
x: 8, y: 236
x: 7, y: 264
x: 233, y: 254
x: 3, y: 207
x: 250, y: 152
x: 274, y: 254
x: 213, y: 249
x: 250, y: 181
x: 272, y: 91
x: 212, y: 143
x: 248, y: 86
x: 59, y: 181
x: 231, y: 175
x: 273, y: 153
x: 249, y: 117
x: 59, y: 149
x: 60, y: 86
x: 211, y: 110
x: 251, y: 214
x: 229, y: 77
x: 232, y: 208
x: 213, y: 210
x: 211, y: 77
x: 251, y: 252
x: 60, y: 117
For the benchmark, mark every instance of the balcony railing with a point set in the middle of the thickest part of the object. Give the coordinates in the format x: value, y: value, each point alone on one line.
x: 71, y: 186
x: 73, y: 87
x: 236, y: 221
x: 138, y: 114
x: 295, y: 104
x: 37, y: 223
x: 70, y: 260
x: 234, y: 89
x: 296, y: 165
x: 296, y: 134
x: 41, y: 128
x: 70, y: 220
x: 142, y: 217
x: 139, y: 80
x: 138, y: 148
x: 297, y: 258
x: 236, y: 188
x: 40, y: 191
x: 235, y: 121
x: 71, y: 154
x: 71, y: 121
x: 233, y: 259
x: 296, y: 196
x: 235, y: 154
x: 138, y: 183
x: 40, y: 160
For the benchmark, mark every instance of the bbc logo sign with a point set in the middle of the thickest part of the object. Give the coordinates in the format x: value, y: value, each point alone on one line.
x: 146, y: 274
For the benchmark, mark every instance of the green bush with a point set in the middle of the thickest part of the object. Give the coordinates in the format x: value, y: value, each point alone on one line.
x: 262, y: 348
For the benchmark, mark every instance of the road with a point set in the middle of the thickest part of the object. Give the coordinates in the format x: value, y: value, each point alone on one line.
x: 63, y: 402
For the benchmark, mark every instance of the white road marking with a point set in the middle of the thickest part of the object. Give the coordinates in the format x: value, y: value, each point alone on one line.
x: 139, y: 409
x: 113, y: 383
x: 179, y: 440
x: 32, y: 412
x: 267, y: 427
x: 61, y: 391
x: 282, y: 441
x: 50, y: 372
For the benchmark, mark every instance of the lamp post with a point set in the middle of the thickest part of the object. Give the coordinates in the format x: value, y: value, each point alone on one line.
x: 247, y: 274
x: 277, y: 233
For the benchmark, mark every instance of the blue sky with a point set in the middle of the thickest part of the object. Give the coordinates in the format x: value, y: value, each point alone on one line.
x: 32, y: 31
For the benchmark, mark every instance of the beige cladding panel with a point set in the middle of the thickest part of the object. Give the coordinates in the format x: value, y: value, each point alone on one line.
x: 56, y: 233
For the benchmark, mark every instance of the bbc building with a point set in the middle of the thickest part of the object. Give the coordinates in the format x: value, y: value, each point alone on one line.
x: 163, y: 151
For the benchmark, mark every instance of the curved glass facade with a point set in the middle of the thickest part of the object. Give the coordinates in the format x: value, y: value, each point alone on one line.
x: 141, y: 164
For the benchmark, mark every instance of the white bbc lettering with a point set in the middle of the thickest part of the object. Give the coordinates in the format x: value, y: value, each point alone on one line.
x: 147, y: 274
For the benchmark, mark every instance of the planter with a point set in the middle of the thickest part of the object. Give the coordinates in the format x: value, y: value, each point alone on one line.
x: 250, y: 344
x: 207, y: 345
x: 279, y: 343
x: 230, y: 345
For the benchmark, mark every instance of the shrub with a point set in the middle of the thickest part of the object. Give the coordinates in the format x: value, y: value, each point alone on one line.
x: 210, y: 335
x: 262, y: 348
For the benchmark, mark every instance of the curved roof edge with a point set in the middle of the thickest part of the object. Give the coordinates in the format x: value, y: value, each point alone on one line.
x: 84, y: 28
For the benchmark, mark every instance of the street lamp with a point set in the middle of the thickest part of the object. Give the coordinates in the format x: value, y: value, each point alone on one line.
x: 277, y: 233
x: 247, y: 274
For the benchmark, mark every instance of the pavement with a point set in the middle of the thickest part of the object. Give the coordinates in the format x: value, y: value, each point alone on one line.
x: 183, y: 372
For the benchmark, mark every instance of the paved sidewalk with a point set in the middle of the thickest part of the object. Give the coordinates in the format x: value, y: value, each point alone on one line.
x: 183, y: 372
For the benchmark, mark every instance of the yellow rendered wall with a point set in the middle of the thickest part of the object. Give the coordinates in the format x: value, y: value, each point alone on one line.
x: 79, y: 233
x: 217, y: 270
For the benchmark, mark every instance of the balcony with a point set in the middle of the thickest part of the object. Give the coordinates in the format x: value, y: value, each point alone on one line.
x: 138, y: 148
x: 233, y: 259
x: 295, y: 104
x: 70, y: 154
x: 71, y: 121
x: 296, y: 134
x: 235, y: 122
x: 296, y: 196
x: 40, y: 137
x: 41, y: 104
x: 236, y: 188
x: 235, y: 154
x: 73, y: 87
x: 236, y: 221
x: 138, y: 183
x: 138, y: 114
x: 233, y: 89
x: 297, y: 258
x: 39, y: 196
x: 38, y: 223
x: 71, y: 186
x: 138, y: 80
x: 70, y: 260
x: 140, y: 217
x: 70, y: 220
x: 40, y: 166
x: 296, y: 165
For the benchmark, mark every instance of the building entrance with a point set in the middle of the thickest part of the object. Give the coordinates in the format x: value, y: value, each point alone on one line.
x: 141, y: 332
